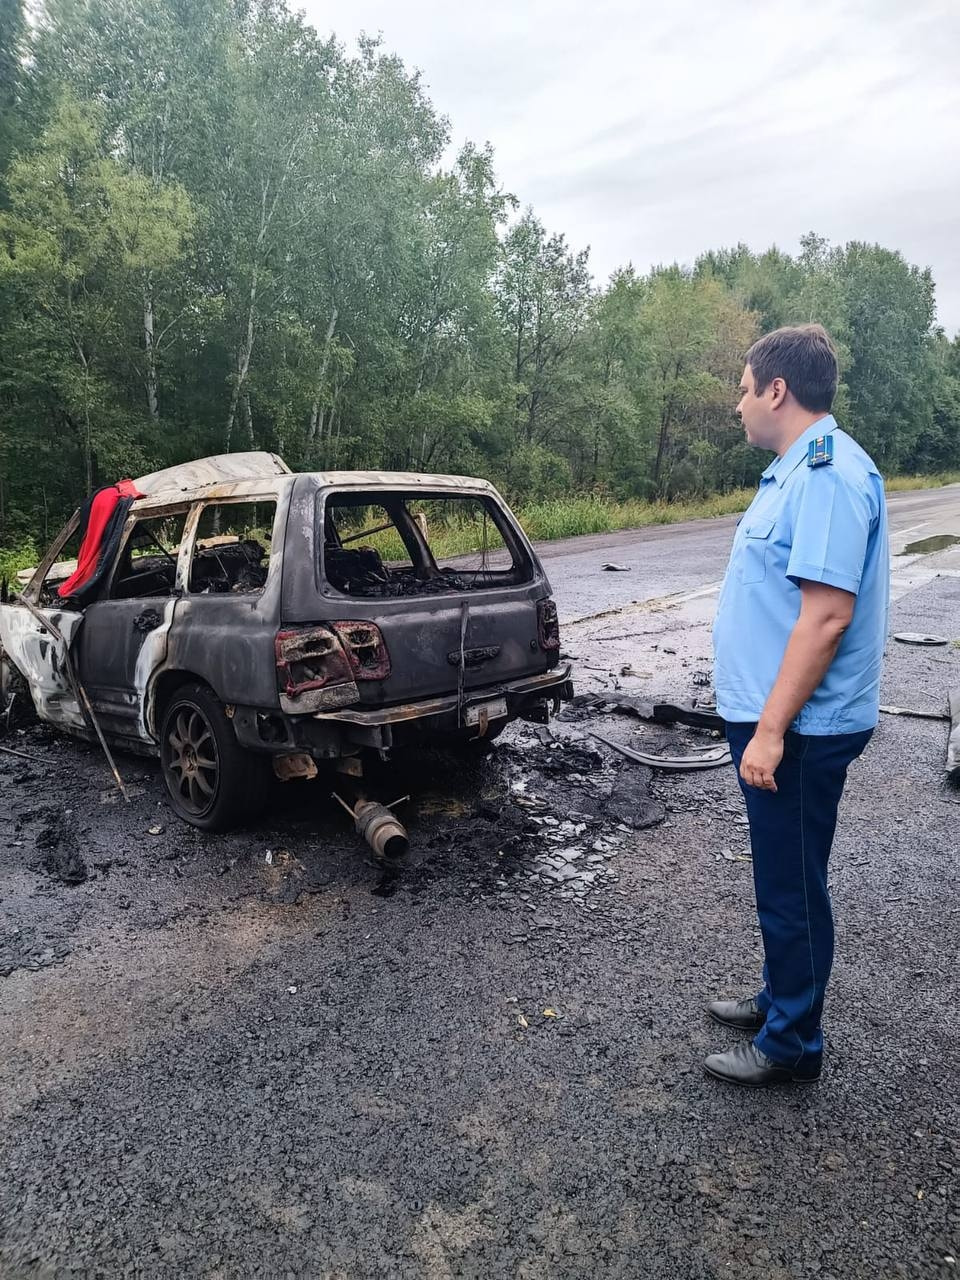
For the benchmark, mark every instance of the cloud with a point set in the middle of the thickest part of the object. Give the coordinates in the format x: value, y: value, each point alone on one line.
x: 656, y: 131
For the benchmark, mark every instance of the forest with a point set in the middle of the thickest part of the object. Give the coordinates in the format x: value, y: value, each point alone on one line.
x: 220, y: 231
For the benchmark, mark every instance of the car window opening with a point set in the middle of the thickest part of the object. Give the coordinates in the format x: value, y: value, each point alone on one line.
x: 231, y: 554
x: 58, y: 573
x: 148, y: 561
x: 391, y: 545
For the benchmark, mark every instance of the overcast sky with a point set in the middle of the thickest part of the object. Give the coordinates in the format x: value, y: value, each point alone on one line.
x: 651, y: 132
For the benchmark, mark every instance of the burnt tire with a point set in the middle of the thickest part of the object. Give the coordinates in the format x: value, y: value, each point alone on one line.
x: 212, y: 782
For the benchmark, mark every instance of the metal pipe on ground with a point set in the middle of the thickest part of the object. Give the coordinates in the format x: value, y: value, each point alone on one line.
x: 708, y: 758
x: 953, y: 741
x: 381, y: 829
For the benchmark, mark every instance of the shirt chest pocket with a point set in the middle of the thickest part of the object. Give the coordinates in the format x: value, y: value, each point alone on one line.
x: 756, y: 541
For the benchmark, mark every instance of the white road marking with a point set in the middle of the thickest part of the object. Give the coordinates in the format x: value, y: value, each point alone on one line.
x: 902, y: 533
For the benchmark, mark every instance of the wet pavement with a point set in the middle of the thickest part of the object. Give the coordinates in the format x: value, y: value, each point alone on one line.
x: 258, y: 1054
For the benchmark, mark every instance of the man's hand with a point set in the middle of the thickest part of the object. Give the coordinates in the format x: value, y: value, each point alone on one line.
x: 760, y: 760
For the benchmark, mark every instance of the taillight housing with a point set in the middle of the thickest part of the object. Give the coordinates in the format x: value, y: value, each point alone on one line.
x: 366, y: 649
x: 548, y: 629
x: 318, y: 667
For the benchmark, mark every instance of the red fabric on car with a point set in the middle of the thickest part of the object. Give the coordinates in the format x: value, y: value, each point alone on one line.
x: 97, y: 516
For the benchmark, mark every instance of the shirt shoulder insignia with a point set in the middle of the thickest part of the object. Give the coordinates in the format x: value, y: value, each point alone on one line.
x: 820, y: 451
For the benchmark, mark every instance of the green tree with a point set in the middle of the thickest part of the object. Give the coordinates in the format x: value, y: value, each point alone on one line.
x: 611, y: 408
x: 12, y: 27
x: 765, y: 283
x: 696, y: 335
x: 79, y: 231
x: 889, y: 313
x: 544, y: 291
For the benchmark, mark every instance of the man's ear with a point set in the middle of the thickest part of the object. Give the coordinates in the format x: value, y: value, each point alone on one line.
x: 778, y: 389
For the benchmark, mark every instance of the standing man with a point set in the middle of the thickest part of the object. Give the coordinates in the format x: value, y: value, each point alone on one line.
x: 799, y: 637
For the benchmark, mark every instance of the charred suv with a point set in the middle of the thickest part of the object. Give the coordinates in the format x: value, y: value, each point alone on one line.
x: 232, y: 612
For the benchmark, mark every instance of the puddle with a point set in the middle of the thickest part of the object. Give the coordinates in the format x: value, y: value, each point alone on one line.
x: 939, y: 542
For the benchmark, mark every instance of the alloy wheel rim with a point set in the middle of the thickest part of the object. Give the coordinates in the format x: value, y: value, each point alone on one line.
x: 192, y: 763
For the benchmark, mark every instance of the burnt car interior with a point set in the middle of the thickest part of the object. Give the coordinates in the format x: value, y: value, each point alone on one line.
x: 378, y: 544
x: 147, y: 565
x: 231, y: 553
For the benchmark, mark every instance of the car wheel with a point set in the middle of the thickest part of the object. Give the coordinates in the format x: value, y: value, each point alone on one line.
x: 213, y: 783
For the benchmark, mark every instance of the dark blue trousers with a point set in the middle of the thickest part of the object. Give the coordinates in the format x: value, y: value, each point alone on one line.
x: 791, y: 831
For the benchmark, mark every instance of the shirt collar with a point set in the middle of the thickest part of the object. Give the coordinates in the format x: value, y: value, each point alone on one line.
x: 781, y: 467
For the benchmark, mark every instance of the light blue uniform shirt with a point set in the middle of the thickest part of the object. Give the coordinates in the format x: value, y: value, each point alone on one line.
x: 826, y: 523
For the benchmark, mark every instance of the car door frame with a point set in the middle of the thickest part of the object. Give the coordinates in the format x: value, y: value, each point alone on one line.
x: 121, y: 704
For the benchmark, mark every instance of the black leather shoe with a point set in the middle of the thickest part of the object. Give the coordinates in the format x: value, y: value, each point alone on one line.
x: 746, y: 1064
x: 742, y: 1014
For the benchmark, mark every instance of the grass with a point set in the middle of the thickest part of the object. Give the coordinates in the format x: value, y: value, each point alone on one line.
x: 12, y: 560
x: 898, y: 484
x: 446, y: 540
x: 571, y: 517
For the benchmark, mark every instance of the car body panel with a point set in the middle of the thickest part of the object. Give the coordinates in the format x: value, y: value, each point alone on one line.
x: 39, y: 656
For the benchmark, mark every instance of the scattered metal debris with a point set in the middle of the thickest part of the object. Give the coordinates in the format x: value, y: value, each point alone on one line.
x: 953, y: 715
x: 22, y: 755
x: 296, y: 765
x: 918, y: 637
x: 953, y: 742
x: 919, y: 715
x: 708, y: 758
x: 691, y: 712
x: 30, y: 948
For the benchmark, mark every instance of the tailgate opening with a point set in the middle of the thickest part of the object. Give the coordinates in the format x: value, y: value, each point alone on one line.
x: 387, y: 545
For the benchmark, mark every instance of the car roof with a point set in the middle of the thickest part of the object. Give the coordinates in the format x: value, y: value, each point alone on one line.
x: 221, y: 468
x: 237, y: 474
x: 397, y: 480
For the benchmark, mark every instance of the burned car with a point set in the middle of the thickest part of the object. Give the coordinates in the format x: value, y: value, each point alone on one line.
x: 234, y: 615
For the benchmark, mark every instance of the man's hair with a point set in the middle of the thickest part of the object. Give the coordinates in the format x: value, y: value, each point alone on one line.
x: 804, y: 357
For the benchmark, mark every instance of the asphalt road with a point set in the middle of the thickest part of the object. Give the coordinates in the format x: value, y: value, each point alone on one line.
x: 252, y: 1055
x: 669, y: 560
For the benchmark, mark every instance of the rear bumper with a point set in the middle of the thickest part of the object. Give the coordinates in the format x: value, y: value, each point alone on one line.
x: 327, y: 735
x: 554, y: 684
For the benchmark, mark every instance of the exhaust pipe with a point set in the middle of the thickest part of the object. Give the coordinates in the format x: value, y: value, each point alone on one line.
x: 381, y: 829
